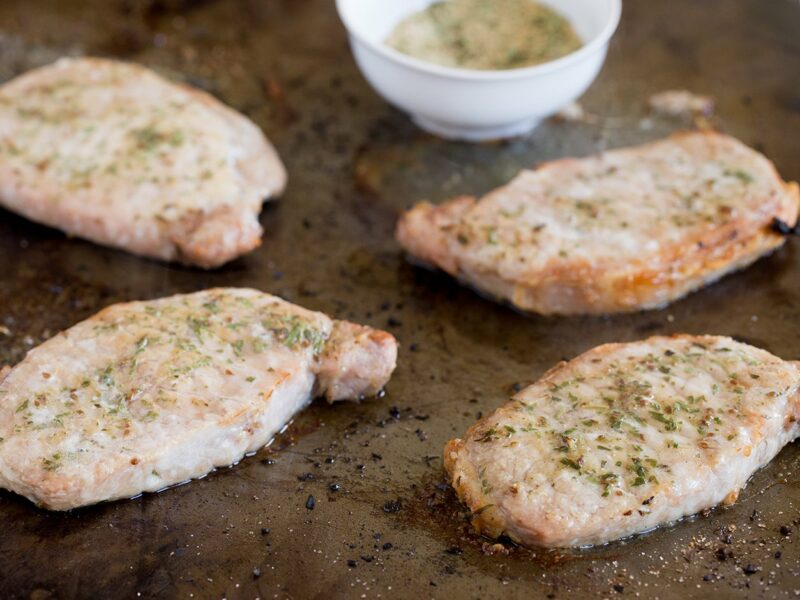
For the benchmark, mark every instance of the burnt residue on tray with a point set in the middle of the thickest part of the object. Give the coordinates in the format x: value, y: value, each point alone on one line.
x: 384, y: 523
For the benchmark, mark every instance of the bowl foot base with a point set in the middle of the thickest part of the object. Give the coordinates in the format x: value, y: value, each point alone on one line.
x: 475, y: 134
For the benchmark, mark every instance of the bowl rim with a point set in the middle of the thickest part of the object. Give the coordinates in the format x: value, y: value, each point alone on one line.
x: 487, y: 75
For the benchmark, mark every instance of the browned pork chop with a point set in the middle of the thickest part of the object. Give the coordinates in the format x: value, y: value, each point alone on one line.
x: 148, y: 394
x: 114, y: 153
x: 624, y: 438
x: 621, y: 231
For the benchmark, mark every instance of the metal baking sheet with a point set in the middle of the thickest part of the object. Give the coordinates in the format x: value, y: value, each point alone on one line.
x: 393, y: 530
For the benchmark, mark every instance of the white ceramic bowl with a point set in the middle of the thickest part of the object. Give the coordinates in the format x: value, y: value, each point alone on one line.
x: 469, y: 104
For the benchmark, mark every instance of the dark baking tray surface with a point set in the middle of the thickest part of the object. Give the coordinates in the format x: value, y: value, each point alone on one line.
x: 393, y: 530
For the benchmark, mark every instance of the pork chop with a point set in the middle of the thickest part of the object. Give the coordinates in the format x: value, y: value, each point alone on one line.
x: 144, y: 395
x: 621, y: 231
x: 112, y: 152
x: 624, y: 438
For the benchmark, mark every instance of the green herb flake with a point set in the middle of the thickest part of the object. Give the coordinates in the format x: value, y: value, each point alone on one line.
x: 106, y: 376
x: 198, y: 326
x: 211, y: 307
x: 141, y: 345
x: 741, y: 175
x: 669, y: 424
x: 176, y: 138
x: 146, y: 138
x: 488, y: 436
x: 53, y: 463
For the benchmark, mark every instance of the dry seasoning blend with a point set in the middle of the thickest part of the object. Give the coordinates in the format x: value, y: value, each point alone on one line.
x: 485, y: 34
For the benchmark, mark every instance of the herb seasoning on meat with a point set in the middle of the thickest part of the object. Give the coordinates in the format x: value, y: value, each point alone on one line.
x: 147, y: 394
x: 624, y: 438
x: 485, y: 34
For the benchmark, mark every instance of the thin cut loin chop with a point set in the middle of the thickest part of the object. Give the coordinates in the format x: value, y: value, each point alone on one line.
x: 624, y: 438
x: 113, y: 153
x: 148, y: 394
x: 621, y: 231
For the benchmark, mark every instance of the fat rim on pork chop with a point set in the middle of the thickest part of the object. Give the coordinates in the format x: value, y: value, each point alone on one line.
x: 624, y: 438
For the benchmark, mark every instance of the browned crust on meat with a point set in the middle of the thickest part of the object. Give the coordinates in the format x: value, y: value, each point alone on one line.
x: 487, y: 518
x: 795, y: 399
x: 580, y: 287
x: 357, y: 361
x: 210, y: 240
x: 422, y: 231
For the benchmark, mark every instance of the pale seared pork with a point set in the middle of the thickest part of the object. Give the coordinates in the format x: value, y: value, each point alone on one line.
x: 144, y: 395
x: 621, y: 231
x: 112, y: 152
x: 624, y: 438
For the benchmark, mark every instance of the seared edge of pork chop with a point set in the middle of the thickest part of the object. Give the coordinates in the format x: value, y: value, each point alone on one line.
x: 144, y: 395
x: 608, y: 507
x: 215, y: 225
x: 211, y: 239
x: 357, y: 361
x: 431, y: 234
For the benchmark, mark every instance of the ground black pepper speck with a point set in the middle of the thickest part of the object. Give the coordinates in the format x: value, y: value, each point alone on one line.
x: 727, y: 538
x: 750, y: 569
x: 393, y: 506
